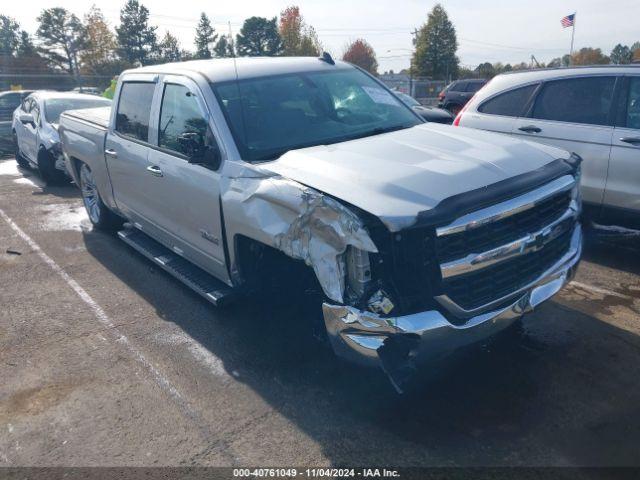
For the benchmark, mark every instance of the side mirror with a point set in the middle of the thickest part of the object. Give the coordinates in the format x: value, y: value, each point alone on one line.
x: 212, y: 157
x: 198, y: 153
x: 26, y: 118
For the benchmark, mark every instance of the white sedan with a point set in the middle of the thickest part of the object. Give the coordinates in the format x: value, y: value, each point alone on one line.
x: 35, y: 130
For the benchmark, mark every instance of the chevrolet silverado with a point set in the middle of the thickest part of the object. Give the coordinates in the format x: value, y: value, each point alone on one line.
x: 420, y: 238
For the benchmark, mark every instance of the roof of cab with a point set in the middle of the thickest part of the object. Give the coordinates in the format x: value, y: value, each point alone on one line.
x: 224, y: 69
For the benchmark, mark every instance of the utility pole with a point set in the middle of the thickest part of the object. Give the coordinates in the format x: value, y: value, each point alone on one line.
x: 534, y: 60
x: 415, y: 41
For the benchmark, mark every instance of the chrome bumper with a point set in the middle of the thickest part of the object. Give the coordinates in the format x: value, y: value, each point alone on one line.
x: 362, y: 337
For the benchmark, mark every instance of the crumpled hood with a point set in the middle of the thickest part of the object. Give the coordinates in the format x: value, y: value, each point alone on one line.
x: 397, y: 175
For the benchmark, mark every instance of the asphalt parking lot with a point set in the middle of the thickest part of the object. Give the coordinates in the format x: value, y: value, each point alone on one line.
x: 107, y: 360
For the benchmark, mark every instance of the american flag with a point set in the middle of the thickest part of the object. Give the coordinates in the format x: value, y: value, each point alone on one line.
x: 568, y: 20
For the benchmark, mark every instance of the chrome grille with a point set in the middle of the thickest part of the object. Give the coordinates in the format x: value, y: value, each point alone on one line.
x: 489, y: 254
x: 503, y: 231
x: 497, y: 281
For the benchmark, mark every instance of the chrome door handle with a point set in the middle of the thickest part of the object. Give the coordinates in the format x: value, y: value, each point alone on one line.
x: 111, y: 152
x: 530, y: 129
x: 632, y: 140
x: 154, y: 170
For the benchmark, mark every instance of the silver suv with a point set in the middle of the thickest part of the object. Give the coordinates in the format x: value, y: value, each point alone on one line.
x: 592, y: 111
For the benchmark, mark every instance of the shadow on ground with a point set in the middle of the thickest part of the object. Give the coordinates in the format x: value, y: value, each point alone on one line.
x: 64, y: 190
x: 561, y: 390
x: 619, y: 253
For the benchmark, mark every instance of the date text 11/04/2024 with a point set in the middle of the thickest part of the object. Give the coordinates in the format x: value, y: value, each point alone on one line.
x: 315, y: 473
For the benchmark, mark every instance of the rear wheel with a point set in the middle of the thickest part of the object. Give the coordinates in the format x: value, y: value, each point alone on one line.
x: 47, y: 168
x: 99, y: 214
x: 23, y: 162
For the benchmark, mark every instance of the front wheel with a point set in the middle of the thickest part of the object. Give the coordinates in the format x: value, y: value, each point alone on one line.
x: 99, y: 215
x: 47, y: 168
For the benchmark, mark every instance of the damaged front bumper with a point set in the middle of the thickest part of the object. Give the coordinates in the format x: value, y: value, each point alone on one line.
x: 399, y: 342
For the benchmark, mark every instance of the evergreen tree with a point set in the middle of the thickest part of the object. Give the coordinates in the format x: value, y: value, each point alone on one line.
x: 224, y: 48
x: 170, y: 49
x: 64, y: 37
x: 621, y: 54
x: 635, y: 52
x: 436, y: 46
x: 205, y: 37
x: 137, y: 40
x: 9, y: 38
x: 26, y: 48
x: 259, y: 37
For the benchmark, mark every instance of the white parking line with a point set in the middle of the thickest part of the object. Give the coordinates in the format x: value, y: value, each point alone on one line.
x: 104, y: 319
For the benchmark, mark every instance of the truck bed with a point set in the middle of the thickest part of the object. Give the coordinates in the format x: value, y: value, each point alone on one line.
x: 82, y: 133
x: 98, y: 116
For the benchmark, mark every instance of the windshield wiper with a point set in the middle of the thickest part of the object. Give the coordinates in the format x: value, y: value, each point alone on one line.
x: 373, y: 132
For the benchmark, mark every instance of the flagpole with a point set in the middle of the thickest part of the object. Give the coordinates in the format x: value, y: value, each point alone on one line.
x: 573, y: 34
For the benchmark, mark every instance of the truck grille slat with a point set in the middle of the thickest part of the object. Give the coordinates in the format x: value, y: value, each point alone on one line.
x: 483, y: 238
x: 486, y: 262
x: 479, y: 288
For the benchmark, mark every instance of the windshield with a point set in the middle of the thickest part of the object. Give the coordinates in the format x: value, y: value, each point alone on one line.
x: 55, y: 106
x: 270, y: 115
x: 412, y: 102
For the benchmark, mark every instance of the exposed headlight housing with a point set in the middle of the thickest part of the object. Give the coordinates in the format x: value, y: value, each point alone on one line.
x: 358, y: 272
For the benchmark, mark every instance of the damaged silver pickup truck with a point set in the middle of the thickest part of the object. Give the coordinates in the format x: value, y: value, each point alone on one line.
x: 421, y: 238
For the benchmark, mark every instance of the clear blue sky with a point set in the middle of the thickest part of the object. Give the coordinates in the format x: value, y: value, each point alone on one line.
x: 488, y: 30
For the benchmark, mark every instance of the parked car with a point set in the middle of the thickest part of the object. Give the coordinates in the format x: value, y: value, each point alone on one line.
x: 458, y: 93
x: 9, y: 101
x: 88, y: 90
x: 593, y: 111
x: 238, y: 175
x: 430, y: 114
x: 35, y: 130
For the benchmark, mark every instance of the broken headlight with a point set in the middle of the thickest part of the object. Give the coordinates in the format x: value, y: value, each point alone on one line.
x: 358, y: 271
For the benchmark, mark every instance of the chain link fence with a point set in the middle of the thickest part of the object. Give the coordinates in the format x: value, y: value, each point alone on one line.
x: 422, y: 89
x: 31, y: 74
x: 60, y: 82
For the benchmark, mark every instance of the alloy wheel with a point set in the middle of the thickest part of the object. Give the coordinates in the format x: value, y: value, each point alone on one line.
x: 90, y: 193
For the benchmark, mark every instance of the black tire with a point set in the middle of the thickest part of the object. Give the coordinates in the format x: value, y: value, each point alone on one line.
x: 99, y: 214
x: 22, y: 162
x: 48, y: 171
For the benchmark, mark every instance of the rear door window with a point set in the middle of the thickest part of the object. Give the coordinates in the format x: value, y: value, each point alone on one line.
x: 509, y: 104
x: 458, y: 87
x: 633, y: 104
x: 473, y: 87
x: 134, y: 109
x: 576, y: 100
